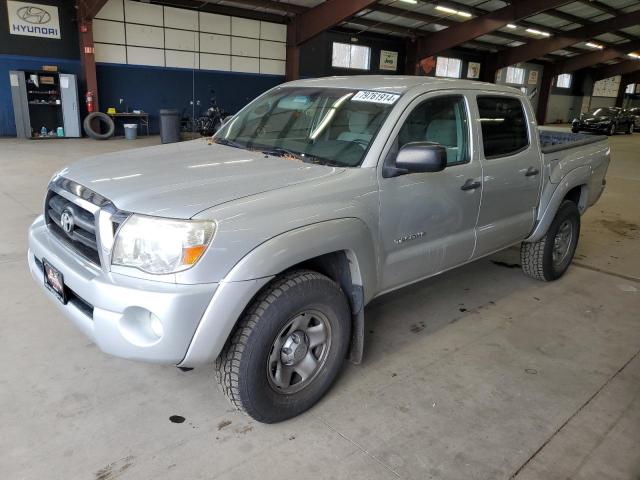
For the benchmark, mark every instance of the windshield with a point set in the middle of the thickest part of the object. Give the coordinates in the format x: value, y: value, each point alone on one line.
x: 330, y: 126
x: 600, y: 112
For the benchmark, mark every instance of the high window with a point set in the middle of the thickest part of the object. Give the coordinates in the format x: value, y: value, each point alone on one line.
x: 515, y: 75
x: 448, y: 67
x: 564, y: 81
x: 346, y: 55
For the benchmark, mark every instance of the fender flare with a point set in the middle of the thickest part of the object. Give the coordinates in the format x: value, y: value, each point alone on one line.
x: 256, y: 269
x: 296, y: 246
x: 575, y: 178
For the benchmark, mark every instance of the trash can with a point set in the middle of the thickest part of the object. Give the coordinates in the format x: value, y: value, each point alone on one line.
x: 169, y: 125
x: 130, y: 131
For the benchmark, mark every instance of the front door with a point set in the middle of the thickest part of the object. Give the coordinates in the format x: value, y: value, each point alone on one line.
x: 512, y: 171
x: 427, y: 220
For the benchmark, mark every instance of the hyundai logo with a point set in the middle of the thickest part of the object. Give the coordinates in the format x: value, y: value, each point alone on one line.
x: 35, y: 15
x: 66, y: 221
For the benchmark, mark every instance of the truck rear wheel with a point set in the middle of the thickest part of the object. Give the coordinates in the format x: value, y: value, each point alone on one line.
x: 288, y: 348
x: 548, y: 258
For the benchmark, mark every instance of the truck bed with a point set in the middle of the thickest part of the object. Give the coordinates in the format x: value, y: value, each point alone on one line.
x: 552, y: 141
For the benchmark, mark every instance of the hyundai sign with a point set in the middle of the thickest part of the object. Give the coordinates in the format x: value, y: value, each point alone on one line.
x: 33, y: 19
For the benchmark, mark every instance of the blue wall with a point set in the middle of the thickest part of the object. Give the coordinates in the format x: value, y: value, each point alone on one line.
x: 17, y: 62
x: 146, y: 88
x: 153, y: 88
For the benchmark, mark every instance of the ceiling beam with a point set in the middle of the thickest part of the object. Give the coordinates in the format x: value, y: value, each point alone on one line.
x: 288, y: 8
x: 585, y: 21
x: 326, y: 15
x: 601, y: 6
x: 553, y: 12
x: 415, y: 33
x: 482, y: 25
x: 442, y: 21
x: 389, y: 27
x: 521, y: 23
x: 88, y: 9
x: 597, y: 56
x: 538, y: 48
x: 622, y: 68
x: 204, y: 6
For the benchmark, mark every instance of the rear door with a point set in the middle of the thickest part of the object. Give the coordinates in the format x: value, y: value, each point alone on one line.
x: 512, y: 171
x: 427, y: 221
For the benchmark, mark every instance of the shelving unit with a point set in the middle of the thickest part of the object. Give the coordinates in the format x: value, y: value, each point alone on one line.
x: 45, y: 99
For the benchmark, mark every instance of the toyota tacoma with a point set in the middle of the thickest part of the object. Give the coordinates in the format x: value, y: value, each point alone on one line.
x: 259, y: 249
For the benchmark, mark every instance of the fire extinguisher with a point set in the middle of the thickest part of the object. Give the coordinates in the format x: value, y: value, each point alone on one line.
x: 89, y: 100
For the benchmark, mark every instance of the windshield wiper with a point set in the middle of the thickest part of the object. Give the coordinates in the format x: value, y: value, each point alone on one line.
x: 305, y: 157
x: 230, y: 143
x: 282, y: 152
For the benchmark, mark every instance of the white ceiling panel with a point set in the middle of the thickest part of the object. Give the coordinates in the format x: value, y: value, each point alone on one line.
x: 545, y: 20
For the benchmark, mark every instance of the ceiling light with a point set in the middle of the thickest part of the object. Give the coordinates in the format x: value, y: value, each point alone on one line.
x: 511, y: 26
x: 453, y: 12
x: 446, y: 9
x: 538, y: 32
x: 594, y: 45
x: 634, y: 55
x: 410, y: 1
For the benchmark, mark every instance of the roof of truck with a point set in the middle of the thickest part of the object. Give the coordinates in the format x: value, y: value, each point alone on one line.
x: 397, y: 83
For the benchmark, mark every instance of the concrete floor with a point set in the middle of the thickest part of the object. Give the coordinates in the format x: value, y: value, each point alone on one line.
x: 480, y: 373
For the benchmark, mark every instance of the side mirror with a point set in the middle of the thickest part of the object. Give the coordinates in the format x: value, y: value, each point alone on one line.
x: 418, y: 157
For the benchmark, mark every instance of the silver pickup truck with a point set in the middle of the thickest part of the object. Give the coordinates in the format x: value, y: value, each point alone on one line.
x: 260, y: 248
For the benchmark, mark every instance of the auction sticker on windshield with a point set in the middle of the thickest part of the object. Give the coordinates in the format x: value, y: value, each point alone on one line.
x: 375, y: 97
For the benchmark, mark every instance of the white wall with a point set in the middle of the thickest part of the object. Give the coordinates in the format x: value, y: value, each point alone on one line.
x: 146, y: 34
x: 563, y: 108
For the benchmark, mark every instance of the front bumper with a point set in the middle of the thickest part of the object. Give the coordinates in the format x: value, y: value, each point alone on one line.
x: 114, y: 310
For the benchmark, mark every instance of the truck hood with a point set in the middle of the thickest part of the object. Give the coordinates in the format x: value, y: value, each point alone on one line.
x: 182, y: 179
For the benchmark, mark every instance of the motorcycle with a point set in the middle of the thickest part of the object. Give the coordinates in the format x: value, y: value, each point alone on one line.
x: 212, y: 120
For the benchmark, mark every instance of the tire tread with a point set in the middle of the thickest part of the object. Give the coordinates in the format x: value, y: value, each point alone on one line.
x: 228, y: 362
x: 532, y: 258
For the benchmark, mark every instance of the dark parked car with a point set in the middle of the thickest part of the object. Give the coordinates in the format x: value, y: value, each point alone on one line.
x: 635, y: 114
x: 609, y: 120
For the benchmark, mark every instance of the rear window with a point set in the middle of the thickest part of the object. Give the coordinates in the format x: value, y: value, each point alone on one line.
x: 504, y: 126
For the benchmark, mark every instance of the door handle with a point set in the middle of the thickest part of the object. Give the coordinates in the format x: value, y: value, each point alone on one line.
x: 471, y: 184
x: 531, y: 172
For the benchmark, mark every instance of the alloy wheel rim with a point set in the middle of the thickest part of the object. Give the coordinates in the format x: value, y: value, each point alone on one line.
x: 299, y: 352
x: 562, y: 242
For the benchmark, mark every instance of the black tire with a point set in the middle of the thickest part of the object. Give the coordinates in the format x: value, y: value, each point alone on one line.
x: 537, y: 258
x: 575, y: 130
x: 244, y: 369
x: 102, y: 117
x: 613, y: 128
x: 630, y: 129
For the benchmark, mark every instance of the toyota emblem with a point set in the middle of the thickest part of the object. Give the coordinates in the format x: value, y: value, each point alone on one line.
x: 66, y: 221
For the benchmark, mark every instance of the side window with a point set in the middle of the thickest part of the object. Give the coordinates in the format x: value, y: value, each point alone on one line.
x: 504, y: 126
x: 441, y: 120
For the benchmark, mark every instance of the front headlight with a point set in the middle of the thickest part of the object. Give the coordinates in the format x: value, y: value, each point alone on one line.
x: 161, y: 245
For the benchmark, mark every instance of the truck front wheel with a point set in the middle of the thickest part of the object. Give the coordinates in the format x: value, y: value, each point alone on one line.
x: 288, y: 348
x: 548, y: 258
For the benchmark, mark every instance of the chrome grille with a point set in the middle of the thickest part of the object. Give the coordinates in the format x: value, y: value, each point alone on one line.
x: 80, y: 236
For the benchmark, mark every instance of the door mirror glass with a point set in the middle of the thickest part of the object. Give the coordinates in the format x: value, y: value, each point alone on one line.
x: 417, y: 157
